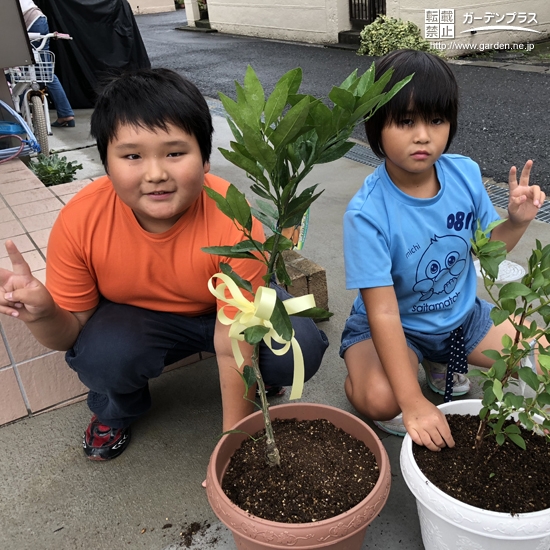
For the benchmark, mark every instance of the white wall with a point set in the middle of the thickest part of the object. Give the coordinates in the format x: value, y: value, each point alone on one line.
x: 413, y: 10
x: 317, y: 21
x: 151, y: 6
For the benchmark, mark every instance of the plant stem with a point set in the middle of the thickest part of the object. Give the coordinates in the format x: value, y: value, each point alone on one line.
x: 272, y: 453
x: 480, y: 434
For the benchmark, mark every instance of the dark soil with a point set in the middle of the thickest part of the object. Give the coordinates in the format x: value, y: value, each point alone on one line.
x: 324, y: 472
x: 503, y: 479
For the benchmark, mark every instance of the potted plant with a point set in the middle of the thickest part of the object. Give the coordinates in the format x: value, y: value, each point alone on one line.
x: 278, y: 140
x: 510, y: 427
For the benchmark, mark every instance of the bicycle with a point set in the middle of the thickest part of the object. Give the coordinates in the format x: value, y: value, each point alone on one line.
x: 27, y: 90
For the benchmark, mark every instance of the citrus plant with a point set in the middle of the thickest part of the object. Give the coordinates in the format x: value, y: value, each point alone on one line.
x: 277, y: 142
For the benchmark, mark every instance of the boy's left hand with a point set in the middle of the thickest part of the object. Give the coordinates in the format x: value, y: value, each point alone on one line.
x: 525, y: 200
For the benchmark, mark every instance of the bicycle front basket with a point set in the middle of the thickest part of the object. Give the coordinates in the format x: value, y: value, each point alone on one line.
x: 41, y: 71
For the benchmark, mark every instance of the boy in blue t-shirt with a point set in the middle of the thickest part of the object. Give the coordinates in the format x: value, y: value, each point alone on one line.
x: 413, y: 219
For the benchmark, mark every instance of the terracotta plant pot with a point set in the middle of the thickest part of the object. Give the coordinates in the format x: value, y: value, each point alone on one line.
x: 343, y: 532
x: 448, y: 524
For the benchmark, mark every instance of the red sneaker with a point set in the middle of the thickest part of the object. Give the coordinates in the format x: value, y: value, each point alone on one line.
x: 103, y: 442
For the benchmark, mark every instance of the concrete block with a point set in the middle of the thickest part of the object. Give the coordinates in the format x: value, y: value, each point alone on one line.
x: 307, y: 278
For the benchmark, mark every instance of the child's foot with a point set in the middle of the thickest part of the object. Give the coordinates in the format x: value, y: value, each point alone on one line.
x: 394, y: 426
x: 436, y: 374
x: 103, y: 442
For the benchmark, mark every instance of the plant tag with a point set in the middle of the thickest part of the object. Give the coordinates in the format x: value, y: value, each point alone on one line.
x: 297, y: 234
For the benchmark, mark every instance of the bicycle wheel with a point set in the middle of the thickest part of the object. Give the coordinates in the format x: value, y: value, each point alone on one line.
x: 39, y: 124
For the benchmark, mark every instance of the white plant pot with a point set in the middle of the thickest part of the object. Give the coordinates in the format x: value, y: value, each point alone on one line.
x: 448, y: 524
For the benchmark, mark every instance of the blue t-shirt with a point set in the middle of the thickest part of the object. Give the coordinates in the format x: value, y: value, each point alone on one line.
x: 420, y: 246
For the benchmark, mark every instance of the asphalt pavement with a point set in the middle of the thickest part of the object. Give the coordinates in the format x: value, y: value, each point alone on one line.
x: 504, y: 116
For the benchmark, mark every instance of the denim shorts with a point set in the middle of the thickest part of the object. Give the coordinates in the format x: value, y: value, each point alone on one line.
x: 435, y: 347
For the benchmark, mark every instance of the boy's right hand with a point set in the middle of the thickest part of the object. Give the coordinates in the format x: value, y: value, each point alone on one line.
x: 22, y: 295
x: 427, y: 425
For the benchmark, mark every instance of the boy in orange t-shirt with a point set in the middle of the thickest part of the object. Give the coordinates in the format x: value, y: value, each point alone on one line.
x: 126, y: 280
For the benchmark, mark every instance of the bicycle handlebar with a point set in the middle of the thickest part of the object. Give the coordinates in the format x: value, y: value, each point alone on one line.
x: 33, y: 36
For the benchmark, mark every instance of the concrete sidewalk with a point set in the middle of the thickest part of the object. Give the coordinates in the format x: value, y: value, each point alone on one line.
x: 52, y: 498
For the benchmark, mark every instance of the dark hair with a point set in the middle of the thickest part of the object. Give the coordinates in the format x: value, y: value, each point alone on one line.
x: 151, y: 98
x: 432, y: 93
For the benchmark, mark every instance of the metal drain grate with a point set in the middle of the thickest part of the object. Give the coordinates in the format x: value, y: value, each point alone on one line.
x: 499, y: 197
x: 364, y: 155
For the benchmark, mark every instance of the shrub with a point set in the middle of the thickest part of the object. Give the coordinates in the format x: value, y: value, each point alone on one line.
x: 387, y: 34
x: 52, y: 170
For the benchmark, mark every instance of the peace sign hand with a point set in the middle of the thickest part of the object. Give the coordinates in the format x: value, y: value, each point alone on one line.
x: 21, y: 294
x: 525, y: 200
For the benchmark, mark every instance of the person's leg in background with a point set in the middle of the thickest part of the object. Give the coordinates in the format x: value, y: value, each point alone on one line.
x: 65, y: 114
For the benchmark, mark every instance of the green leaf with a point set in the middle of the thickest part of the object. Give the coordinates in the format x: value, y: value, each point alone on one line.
x: 513, y: 290
x: 500, y: 368
x: 336, y: 152
x: 294, y: 78
x: 240, y: 207
x: 228, y: 252
x: 543, y: 399
x: 282, y: 244
x: 529, y: 377
x: 317, y: 313
x: 488, y: 397
x: 268, y: 222
x: 237, y: 134
x: 524, y: 419
x: 342, y: 98
x: 512, y: 429
x: 500, y: 438
x: 518, y: 440
x: 254, y: 335
x: 281, y: 321
x: 352, y: 78
x: 245, y: 164
x: 322, y: 117
x: 491, y: 354
x: 237, y: 279
x: 254, y: 92
x: 281, y: 272
x: 247, y: 246
x: 291, y: 125
x: 498, y: 316
x: 497, y: 389
x: 365, y: 81
x: 242, y: 115
x: 544, y: 362
x: 249, y: 377
x: 277, y: 101
x: 516, y: 401
x: 259, y: 149
x: 221, y: 202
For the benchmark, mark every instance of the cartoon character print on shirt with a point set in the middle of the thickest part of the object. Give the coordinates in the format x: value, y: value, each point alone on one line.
x: 440, y: 266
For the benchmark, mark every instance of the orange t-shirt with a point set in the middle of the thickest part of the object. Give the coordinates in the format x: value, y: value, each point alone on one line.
x: 97, y: 248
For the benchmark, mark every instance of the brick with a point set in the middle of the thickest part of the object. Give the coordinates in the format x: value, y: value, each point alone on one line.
x: 28, y: 196
x: 13, y: 404
x: 37, y: 207
x: 41, y: 221
x: 314, y: 275
x: 48, y: 381
x: 21, y: 342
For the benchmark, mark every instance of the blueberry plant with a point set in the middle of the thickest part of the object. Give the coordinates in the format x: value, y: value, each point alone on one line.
x: 517, y: 302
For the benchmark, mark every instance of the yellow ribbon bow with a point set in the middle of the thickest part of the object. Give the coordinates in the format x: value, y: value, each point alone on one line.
x: 258, y: 313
